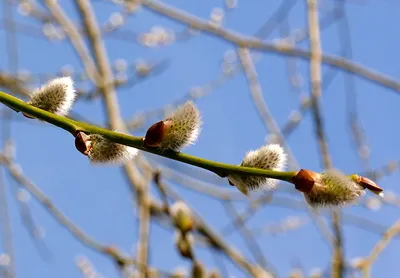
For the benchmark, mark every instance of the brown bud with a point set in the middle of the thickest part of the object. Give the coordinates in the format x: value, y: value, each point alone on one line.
x: 155, y: 134
x: 184, y: 245
x: 304, y: 180
x: 198, y: 270
x: 367, y: 183
x: 82, y: 142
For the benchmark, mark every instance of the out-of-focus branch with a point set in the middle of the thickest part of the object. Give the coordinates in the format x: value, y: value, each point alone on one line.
x: 354, y: 124
x: 16, y: 173
x: 6, y: 230
x: 13, y: 84
x: 224, y: 76
x: 100, y: 53
x: 114, y: 120
x: 75, y: 38
x: 144, y: 228
x: 161, y: 189
x: 247, y: 235
x: 337, y: 268
x: 280, y: 48
x: 315, y: 74
x: 258, y: 99
x: 379, y: 247
x: 213, y: 238
x: 12, y: 65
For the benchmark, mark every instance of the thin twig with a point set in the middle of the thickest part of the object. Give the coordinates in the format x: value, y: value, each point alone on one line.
x: 315, y: 73
x: 282, y: 49
x: 247, y: 235
x: 16, y: 173
x: 379, y: 247
x: 216, y: 241
x: 76, y: 39
x: 161, y: 189
x: 259, y: 101
x: 7, y: 233
x: 144, y: 229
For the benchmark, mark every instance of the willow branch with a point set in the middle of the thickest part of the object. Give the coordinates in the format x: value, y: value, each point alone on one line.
x: 73, y: 126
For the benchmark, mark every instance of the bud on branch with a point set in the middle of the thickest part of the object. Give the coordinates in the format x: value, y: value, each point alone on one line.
x: 100, y: 150
x: 56, y: 96
x: 268, y: 157
x: 331, y: 187
x: 177, y: 131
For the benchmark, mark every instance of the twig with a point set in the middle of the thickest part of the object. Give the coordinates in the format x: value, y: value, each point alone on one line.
x: 114, y: 119
x: 6, y: 224
x: 258, y: 99
x: 315, y: 73
x: 100, y: 53
x: 254, y: 43
x: 76, y: 39
x: 72, y: 126
x: 144, y: 230
x: 379, y: 247
x: 358, y: 136
x: 7, y: 234
x: 161, y: 189
x: 216, y: 241
x: 247, y: 235
x: 15, y: 172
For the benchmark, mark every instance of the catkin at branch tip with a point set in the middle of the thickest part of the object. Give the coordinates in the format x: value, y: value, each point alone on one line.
x: 56, y: 96
x: 269, y: 157
x: 333, y: 188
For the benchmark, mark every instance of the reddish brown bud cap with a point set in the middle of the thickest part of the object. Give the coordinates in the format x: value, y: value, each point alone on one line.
x: 155, y: 134
x: 367, y: 183
x: 304, y: 180
x: 82, y: 142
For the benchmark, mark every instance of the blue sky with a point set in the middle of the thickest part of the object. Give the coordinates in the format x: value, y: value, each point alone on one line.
x: 97, y: 197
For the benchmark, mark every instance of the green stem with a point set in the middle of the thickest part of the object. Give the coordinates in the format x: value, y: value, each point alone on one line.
x: 72, y: 126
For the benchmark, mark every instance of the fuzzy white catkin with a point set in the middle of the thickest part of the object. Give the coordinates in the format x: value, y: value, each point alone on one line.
x: 105, y: 151
x: 184, y: 129
x: 179, y: 206
x: 268, y: 157
x: 333, y: 188
x: 56, y: 96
